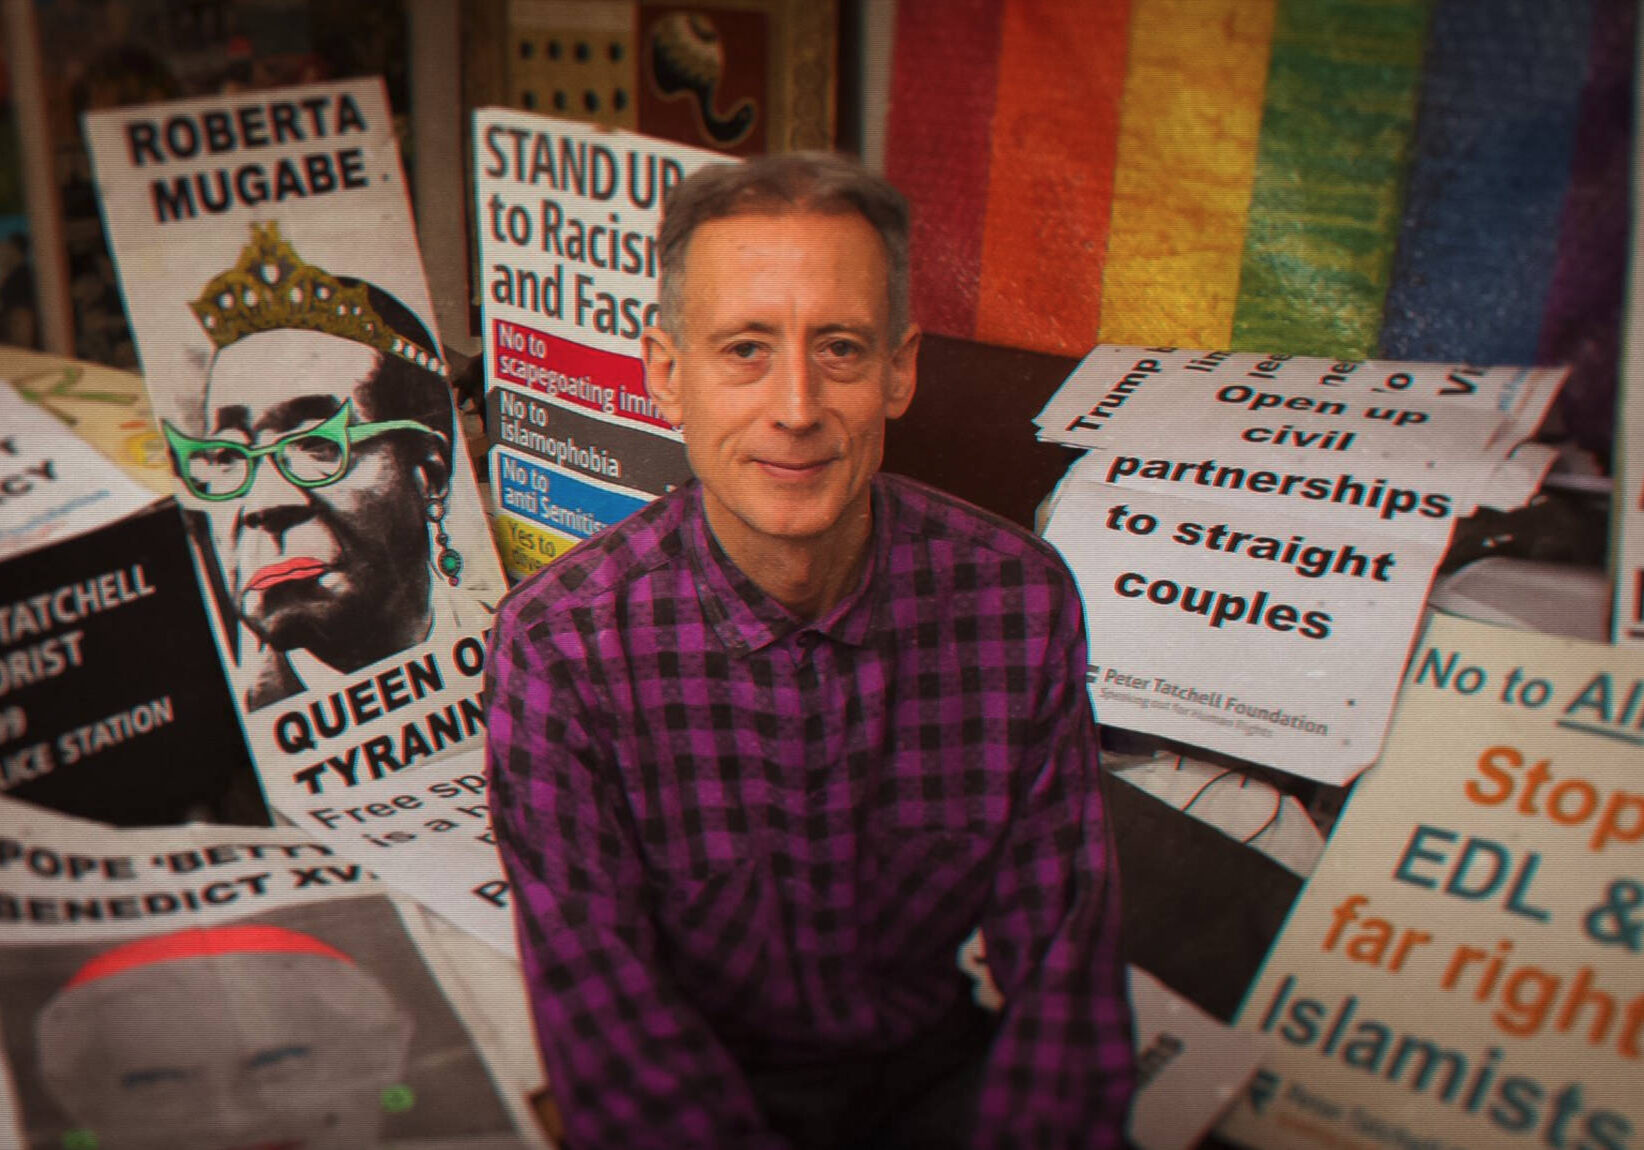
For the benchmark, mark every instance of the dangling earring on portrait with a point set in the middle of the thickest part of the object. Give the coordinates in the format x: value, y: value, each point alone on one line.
x: 448, y: 562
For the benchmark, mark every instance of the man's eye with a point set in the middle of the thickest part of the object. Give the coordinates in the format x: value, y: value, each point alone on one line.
x: 274, y: 1056
x: 841, y: 349
x: 745, y: 349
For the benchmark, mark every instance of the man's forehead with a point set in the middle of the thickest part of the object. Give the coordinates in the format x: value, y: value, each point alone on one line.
x: 783, y: 246
x: 256, y: 380
x: 758, y: 224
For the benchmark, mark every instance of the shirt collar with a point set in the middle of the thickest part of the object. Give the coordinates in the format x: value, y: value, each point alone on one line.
x: 746, y: 619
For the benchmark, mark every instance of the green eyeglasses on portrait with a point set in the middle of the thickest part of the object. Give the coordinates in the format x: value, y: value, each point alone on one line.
x: 220, y: 469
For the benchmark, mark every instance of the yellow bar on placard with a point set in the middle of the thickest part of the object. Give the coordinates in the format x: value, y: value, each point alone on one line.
x: 1188, y: 132
x: 524, y: 547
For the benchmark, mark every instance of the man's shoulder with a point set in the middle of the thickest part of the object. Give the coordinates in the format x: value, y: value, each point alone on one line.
x: 600, y: 568
x: 927, y: 518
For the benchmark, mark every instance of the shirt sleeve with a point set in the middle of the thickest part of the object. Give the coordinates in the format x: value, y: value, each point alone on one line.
x: 1061, y: 1070
x: 631, y: 1064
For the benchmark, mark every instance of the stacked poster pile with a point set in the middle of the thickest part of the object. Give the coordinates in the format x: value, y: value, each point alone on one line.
x: 567, y: 216
x: 220, y: 986
x: 1254, y: 535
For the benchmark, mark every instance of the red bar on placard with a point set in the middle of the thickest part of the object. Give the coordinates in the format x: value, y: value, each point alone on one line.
x: 574, y: 373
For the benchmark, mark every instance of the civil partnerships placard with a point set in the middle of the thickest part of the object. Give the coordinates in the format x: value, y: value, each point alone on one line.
x: 1255, y: 535
x: 1274, y: 636
x: 1397, y: 442
x: 567, y: 215
x: 266, y: 252
x: 1463, y: 968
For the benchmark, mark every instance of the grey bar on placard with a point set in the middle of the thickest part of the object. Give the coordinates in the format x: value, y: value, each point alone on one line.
x: 612, y: 453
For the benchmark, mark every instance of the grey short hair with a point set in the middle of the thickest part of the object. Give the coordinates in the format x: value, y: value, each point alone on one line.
x: 773, y: 185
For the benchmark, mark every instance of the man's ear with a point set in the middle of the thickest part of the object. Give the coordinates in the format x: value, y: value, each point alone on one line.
x: 433, y: 476
x: 904, y: 371
x: 661, y: 373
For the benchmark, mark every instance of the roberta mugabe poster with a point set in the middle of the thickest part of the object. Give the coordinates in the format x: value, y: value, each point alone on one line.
x: 271, y: 273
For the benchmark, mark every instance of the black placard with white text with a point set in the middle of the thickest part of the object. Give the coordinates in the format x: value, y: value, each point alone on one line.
x: 113, y: 703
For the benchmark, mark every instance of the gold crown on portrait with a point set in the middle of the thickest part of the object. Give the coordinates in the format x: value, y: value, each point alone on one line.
x: 273, y: 288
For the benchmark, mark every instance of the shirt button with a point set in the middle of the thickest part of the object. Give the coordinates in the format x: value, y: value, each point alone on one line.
x: 808, y: 640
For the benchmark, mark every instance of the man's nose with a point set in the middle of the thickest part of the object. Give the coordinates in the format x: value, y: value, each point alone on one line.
x: 796, y: 402
x: 272, y: 502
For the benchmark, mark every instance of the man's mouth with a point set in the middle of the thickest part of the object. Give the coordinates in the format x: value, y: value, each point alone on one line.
x: 276, y: 573
x: 790, y: 469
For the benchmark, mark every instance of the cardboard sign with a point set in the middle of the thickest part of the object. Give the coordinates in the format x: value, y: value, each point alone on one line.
x: 267, y: 256
x: 1463, y: 967
x: 567, y: 215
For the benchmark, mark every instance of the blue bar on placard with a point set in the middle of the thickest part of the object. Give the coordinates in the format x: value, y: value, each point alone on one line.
x: 1495, y: 131
x: 554, y: 499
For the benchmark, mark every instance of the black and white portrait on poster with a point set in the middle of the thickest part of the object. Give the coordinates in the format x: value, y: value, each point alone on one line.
x: 270, y: 266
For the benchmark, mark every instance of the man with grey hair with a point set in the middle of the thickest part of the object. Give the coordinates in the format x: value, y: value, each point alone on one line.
x: 765, y: 754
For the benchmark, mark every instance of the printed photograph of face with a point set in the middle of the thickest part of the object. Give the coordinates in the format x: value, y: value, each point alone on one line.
x: 250, y: 1036
x: 322, y: 465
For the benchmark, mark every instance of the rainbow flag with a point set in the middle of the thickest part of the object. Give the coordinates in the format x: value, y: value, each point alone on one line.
x: 1404, y: 178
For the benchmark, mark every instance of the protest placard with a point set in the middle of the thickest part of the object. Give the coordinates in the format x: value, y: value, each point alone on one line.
x: 103, y: 406
x: 53, y: 485
x: 267, y: 256
x: 1363, y: 467
x: 113, y: 703
x: 1428, y: 431
x: 567, y: 215
x: 1463, y: 967
x: 427, y: 833
x: 1627, y: 506
x: 1190, y: 1067
x: 216, y: 986
x: 1268, y: 635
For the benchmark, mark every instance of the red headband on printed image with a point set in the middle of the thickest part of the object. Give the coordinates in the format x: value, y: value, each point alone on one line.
x: 202, y: 942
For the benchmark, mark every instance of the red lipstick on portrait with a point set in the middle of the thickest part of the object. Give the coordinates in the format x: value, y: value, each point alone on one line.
x: 274, y: 573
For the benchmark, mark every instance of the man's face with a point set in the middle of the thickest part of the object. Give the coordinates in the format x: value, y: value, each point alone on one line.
x: 230, y: 1051
x: 784, y: 373
x: 309, y: 567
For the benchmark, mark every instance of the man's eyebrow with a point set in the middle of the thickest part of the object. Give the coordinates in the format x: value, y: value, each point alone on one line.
x: 234, y: 417
x: 282, y: 416
x: 863, y: 329
x: 753, y: 327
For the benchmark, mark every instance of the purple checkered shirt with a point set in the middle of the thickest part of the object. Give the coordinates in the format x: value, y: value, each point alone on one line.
x: 738, y: 838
